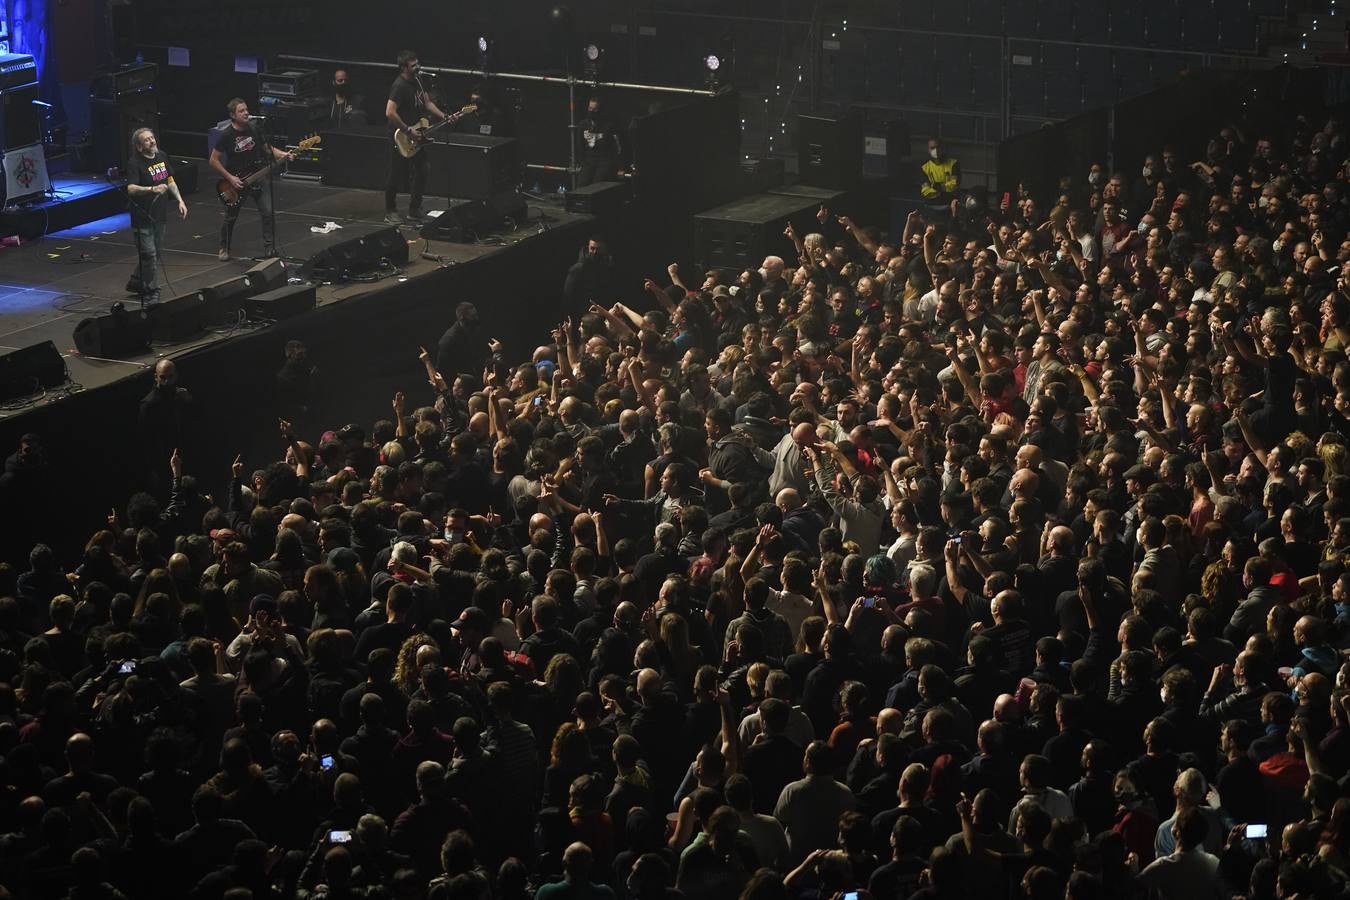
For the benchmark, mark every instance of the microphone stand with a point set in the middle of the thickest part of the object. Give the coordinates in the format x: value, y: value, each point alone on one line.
x: 271, y: 190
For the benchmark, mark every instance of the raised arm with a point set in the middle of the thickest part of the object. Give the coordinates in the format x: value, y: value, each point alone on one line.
x: 860, y: 235
x: 301, y: 459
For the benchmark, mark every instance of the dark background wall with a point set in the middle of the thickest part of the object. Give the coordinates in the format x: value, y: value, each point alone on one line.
x: 973, y: 71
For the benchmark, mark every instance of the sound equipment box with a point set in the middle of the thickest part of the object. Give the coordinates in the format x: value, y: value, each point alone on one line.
x: 760, y: 173
x: 117, y: 335
x: 462, y: 220
x: 282, y: 303
x: 120, y: 102
x: 288, y: 83
x: 20, y: 119
x: 222, y: 301
x: 17, y: 70
x: 178, y: 319
x: 745, y: 231
x: 830, y: 151
x: 473, y: 166
x: 267, y: 275
x: 599, y: 199
x: 25, y: 371
x: 185, y: 176
x: 359, y: 254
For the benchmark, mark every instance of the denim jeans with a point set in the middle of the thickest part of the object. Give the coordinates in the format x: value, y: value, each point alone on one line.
x: 149, y: 247
x: 262, y: 195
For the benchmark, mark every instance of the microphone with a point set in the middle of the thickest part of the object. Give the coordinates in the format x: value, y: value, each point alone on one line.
x: 253, y: 118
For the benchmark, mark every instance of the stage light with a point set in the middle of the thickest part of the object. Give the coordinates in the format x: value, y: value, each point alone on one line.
x: 592, y: 52
x: 712, y: 62
x: 482, y: 45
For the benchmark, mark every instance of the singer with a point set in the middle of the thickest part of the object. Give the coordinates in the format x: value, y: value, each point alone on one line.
x: 149, y: 178
x: 408, y: 103
x: 239, y: 152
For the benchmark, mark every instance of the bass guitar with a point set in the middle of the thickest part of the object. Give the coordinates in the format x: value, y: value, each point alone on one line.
x: 232, y: 196
x: 410, y: 146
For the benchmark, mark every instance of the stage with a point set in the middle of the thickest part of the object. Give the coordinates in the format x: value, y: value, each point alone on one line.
x: 362, y: 337
x: 48, y: 285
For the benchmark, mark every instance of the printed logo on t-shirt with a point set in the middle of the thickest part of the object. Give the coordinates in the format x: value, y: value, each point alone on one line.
x: 243, y: 143
x: 159, y: 171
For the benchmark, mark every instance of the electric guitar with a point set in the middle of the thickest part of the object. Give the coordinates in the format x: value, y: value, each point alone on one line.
x: 411, y: 146
x: 232, y: 196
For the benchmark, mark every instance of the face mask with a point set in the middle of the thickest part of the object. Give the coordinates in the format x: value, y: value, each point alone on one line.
x: 1342, y: 609
x: 1147, y: 171
x: 932, y: 152
x: 454, y: 537
x: 1143, y: 227
x: 1094, y: 178
x: 1262, y: 201
x: 1061, y: 256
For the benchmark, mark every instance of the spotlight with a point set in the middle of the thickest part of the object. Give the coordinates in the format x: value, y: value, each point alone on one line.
x: 712, y: 63
x: 590, y: 61
x: 482, y: 44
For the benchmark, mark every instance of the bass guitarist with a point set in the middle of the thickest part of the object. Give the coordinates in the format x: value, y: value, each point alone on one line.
x: 407, y: 104
x: 239, y: 151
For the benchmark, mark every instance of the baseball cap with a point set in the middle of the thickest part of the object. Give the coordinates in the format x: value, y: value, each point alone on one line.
x: 224, y: 535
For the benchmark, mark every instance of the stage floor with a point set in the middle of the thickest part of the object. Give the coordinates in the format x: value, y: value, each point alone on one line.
x: 48, y: 285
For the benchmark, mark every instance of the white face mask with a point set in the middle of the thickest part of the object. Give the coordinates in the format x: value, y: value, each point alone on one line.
x: 1262, y: 201
x: 932, y: 152
x: 1147, y: 171
x: 1094, y: 177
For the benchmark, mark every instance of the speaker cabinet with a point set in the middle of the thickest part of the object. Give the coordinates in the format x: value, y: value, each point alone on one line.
x: 119, y: 334
x: 267, y: 275
x: 25, y: 371
x: 178, y: 319
x: 115, y: 120
x: 20, y: 122
x: 222, y: 301
x: 745, y: 231
x: 359, y: 254
x: 284, y: 302
x: 830, y: 151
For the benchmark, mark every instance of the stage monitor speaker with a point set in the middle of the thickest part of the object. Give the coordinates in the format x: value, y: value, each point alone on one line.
x: 26, y: 371
x: 115, y: 120
x: 119, y: 334
x: 284, y: 302
x: 267, y: 275
x: 20, y: 119
x: 178, y: 319
x: 360, y: 254
x: 830, y: 151
x: 223, y: 300
x: 599, y: 199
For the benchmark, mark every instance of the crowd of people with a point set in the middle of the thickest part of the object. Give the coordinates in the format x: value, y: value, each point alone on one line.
x: 1003, y: 557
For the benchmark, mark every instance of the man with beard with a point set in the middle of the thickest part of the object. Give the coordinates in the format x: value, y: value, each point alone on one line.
x: 462, y: 348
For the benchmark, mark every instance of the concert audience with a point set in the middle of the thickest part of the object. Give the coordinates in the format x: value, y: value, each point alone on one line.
x: 1003, y: 557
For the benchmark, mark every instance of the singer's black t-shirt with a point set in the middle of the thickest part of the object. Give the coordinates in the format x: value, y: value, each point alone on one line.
x: 148, y: 209
x: 409, y: 99
x: 243, y: 150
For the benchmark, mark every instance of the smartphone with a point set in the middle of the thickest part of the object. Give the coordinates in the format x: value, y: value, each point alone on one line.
x: 326, y: 761
x: 1256, y: 831
x: 869, y: 603
x: 851, y: 895
x: 539, y: 400
x: 338, y: 836
x: 127, y: 667
x: 957, y: 540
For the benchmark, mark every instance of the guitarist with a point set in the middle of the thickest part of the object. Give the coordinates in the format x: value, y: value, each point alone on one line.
x: 408, y: 102
x: 240, y: 151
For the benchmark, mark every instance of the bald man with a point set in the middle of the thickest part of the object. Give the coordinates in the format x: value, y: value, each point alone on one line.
x: 789, y: 463
x: 167, y: 422
x: 801, y: 524
x: 1058, y: 564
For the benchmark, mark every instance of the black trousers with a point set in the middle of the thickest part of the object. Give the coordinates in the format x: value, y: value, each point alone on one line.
x: 597, y: 168
x: 413, y: 171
